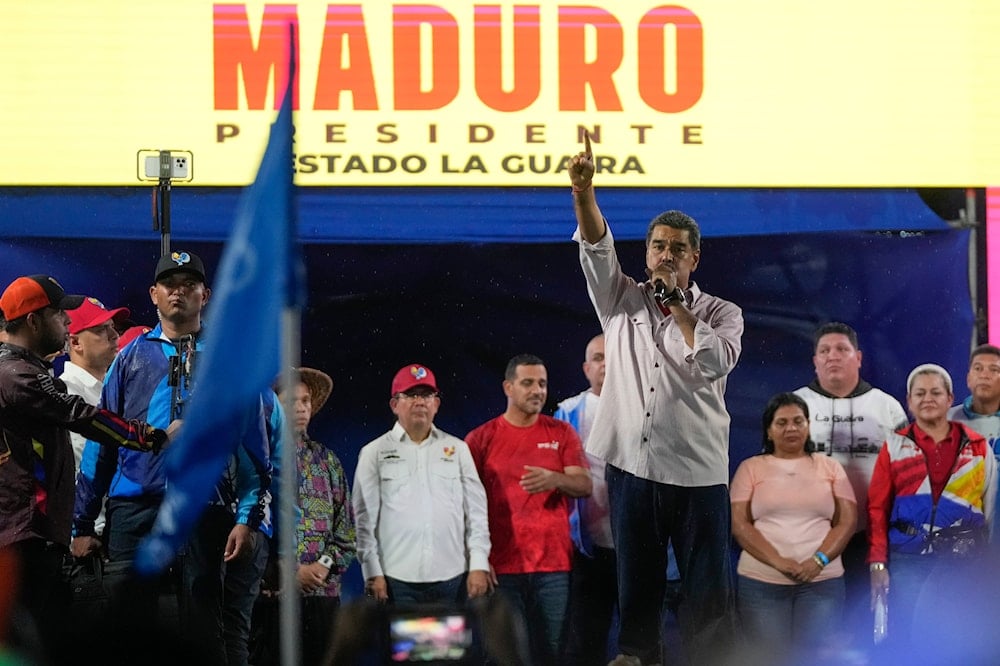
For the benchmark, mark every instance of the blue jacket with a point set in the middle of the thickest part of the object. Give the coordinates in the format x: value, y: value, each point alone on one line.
x: 571, y: 410
x: 137, y: 387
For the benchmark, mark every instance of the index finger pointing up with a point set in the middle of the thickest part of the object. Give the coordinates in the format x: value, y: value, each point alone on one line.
x: 586, y: 144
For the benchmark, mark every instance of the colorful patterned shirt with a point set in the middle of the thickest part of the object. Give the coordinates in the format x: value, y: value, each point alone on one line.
x: 326, y: 521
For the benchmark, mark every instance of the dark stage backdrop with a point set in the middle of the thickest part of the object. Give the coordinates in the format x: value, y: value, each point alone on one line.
x: 465, y: 309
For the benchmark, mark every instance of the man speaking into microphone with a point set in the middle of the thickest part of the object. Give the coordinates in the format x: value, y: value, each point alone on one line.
x: 662, y: 427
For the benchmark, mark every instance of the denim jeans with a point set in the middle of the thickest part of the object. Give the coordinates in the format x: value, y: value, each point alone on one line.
x: 789, y: 618
x: 645, y: 516
x: 922, y: 586
x: 541, y: 601
x: 130, y: 520
x: 448, y: 591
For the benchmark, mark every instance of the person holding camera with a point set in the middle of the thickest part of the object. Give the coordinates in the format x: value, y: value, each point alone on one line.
x: 420, y: 507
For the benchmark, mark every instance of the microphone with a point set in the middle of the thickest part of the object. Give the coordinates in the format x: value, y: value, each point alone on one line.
x: 660, y: 291
x: 665, y: 298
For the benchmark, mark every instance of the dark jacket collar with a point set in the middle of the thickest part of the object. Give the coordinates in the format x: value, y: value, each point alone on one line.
x: 862, y: 388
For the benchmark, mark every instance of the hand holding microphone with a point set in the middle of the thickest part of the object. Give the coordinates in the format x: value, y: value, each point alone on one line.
x: 665, y: 289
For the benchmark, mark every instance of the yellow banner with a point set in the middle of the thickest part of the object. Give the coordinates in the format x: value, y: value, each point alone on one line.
x: 452, y: 92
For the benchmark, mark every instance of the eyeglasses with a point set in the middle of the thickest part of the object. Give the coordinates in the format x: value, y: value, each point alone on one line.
x: 417, y: 396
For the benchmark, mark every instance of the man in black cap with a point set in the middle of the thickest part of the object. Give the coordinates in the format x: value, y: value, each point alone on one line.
x: 152, y: 376
x: 36, y: 457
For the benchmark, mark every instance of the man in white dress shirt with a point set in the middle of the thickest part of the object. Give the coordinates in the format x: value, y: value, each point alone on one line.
x: 92, y: 345
x: 419, y: 506
x: 662, y: 427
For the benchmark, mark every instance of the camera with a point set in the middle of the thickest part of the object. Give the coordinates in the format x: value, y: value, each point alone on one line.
x: 431, y: 635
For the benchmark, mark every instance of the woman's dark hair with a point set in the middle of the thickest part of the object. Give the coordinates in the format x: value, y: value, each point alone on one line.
x: 773, y: 405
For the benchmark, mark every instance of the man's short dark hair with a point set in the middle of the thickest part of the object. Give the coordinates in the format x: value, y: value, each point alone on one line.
x: 835, y: 327
x: 520, y: 359
x: 677, y: 220
x: 982, y: 350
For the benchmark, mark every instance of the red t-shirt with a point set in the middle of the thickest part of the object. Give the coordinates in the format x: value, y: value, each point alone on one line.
x: 529, y: 533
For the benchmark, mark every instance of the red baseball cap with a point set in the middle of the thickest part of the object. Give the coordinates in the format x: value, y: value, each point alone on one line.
x: 93, y: 313
x: 34, y: 292
x: 131, y: 334
x: 413, y: 375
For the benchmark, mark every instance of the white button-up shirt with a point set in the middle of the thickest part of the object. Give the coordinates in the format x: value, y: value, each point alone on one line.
x: 420, y: 509
x: 662, y: 415
x: 82, y: 383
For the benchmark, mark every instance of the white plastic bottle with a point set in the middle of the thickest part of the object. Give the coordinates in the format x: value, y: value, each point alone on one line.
x: 880, y: 628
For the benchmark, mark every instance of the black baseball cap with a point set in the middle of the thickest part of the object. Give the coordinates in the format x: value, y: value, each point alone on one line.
x: 178, y: 261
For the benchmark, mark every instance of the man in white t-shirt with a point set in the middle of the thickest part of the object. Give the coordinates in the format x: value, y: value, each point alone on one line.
x: 848, y: 420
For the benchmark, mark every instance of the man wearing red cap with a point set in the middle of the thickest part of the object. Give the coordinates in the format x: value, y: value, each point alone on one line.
x: 93, y: 344
x: 36, y: 458
x: 419, y: 507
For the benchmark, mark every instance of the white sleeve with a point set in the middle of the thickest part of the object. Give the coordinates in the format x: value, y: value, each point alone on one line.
x: 477, y: 528
x: 367, y: 501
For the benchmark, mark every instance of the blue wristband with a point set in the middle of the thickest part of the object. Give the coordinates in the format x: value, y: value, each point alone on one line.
x: 821, y: 556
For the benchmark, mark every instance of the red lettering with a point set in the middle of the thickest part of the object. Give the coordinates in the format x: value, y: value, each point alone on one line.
x: 489, y: 58
x: 234, y: 51
x: 688, y: 61
x: 345, y: 22
x: 406, y: 60
x: 575, y: 73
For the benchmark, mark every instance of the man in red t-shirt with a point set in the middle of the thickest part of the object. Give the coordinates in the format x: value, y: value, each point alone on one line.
x: 530, y: 464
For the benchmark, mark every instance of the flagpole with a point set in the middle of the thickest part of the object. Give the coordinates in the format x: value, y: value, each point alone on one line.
x: 291, y: 318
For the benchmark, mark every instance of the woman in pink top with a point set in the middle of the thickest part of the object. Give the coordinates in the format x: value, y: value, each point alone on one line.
x: 793, y: 514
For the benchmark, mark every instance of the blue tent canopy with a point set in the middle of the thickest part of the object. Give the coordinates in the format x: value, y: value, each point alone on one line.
x: 460, y: 215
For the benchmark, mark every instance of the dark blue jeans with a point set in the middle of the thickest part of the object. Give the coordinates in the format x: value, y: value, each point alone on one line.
x: 440, y: 591
x: 645, y: 516
x: 540, y: 601
x: 130, y: 520
x: 790, y: 618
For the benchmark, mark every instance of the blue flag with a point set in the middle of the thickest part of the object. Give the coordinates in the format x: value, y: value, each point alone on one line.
x: 260, y: 274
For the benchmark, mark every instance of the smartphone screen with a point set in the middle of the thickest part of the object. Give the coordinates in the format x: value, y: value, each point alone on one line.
x: 445, y: 637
